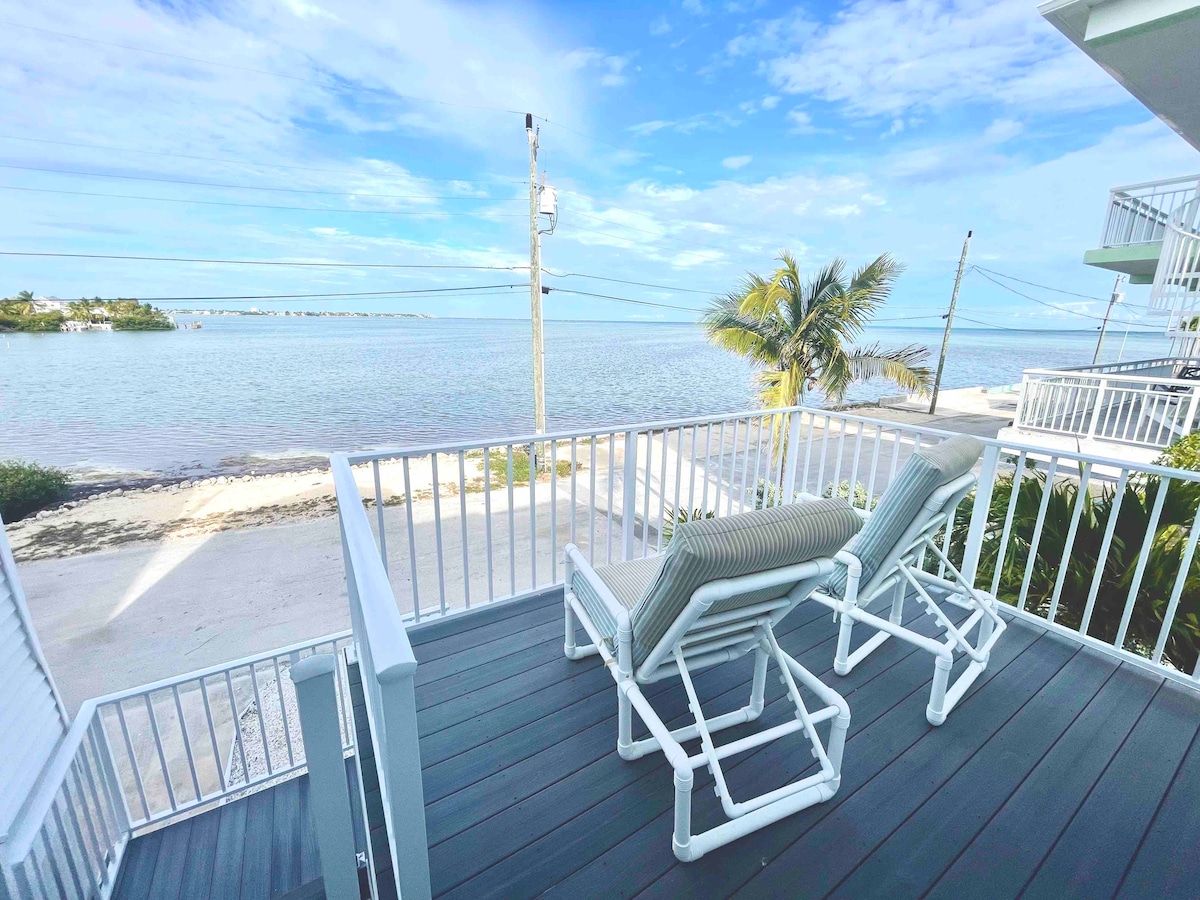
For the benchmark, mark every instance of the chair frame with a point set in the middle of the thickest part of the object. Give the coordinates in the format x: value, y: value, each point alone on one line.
x: 696, y: 640
x: 902, y: 569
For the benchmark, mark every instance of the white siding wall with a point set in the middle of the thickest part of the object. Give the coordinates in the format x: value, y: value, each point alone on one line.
x: 32, y: 717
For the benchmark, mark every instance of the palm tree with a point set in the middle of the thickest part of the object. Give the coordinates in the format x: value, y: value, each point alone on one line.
x: 80, y: 311
x: 800, y: 332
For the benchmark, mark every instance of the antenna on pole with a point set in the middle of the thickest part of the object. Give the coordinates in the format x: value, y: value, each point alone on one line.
x: 937, y: 381
x: 1116, y: 298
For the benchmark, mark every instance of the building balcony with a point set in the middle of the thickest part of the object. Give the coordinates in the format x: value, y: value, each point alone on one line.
x: 482, y: 761
x: 1136, y: 223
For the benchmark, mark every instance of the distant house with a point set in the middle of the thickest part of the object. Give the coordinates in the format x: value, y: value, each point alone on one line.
x: 49, y: 304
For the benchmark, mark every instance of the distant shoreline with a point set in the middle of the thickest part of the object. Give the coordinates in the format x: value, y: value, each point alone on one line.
x: 303, y: 313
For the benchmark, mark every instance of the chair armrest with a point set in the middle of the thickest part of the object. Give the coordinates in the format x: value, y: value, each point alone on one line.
x: 577, y: 561
x: 853, y: 573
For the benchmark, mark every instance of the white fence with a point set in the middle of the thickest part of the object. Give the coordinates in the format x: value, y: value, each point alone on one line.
x: 1138, y: 213
x: 146, y: 756
x: 1120, y: 408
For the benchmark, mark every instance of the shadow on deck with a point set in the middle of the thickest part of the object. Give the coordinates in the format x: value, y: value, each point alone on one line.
x: 1063, y: 772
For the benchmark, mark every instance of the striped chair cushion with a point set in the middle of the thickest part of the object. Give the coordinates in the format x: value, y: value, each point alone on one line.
x: 926, y: 471
x: 709, y: 549
x: 626, y: 580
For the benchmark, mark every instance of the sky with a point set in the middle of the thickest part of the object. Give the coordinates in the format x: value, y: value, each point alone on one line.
x: 689, y: 142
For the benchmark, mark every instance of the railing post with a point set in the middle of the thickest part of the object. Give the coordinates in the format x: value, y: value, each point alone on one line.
x: 406, y: 791
x: 1101, y: 388
x: 629, y: 494
x: 980, y: 512
x: 328, y: 791
x: 792, y: 459
x: 1189, y: 423
x: 1021, y: 402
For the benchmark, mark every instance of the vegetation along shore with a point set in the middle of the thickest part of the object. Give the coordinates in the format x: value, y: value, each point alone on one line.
x: 25, y: 312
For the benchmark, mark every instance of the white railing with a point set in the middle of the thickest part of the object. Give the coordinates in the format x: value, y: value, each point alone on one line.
x: 1121, y: 578
x: 1176, y: 288
x: 1138, y: 213
x: 1159, y: 367
x: 1121, y: 408
x: 387, y: 667
x: 145, y: 756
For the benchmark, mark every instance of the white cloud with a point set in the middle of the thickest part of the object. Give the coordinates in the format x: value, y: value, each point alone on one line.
x: 770, y: 101
x: 710, y: 121
x: 1002, y: 130
x: 690, y: 258
x: 844, y: 210
x: 695, y: 7
x: 882, y: 57
x: 660, y: 26
x: 736, y: 162
x: 801, y: 122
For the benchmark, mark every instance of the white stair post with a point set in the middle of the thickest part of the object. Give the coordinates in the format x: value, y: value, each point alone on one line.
x: 329, y: 795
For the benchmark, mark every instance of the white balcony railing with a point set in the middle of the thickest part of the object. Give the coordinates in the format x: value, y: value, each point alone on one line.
x: 1176, y: 288
x: 1138, y: 213
x: 1115, y: 578
x: 1118, y: 408
x: 146, y: 756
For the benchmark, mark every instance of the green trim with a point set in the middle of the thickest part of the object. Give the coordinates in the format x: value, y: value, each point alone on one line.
x: 1141, y: 279
x: 1145, y: 28
x: 1137, y: 259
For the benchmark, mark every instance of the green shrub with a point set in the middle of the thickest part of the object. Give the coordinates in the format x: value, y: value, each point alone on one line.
x: 499, y: 466
x: 1183, y: 454
x: 27, y: 487
x: 673, y: 517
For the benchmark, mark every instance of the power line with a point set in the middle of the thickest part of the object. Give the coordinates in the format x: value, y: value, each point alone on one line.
x: 239, y: 162
x: 1043, y: 286
x: 331, y: 209
x: 1072, y: 312
x: 445, y: 290
x: 626, y: 300
x: 255, y: 187
x: 664, y: 287
x: 263, y: 262
x: 209, y: 62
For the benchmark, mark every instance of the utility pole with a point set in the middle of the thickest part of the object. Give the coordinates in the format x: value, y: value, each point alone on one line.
x: 1116, y: 298
x: 535, y: 286
x: 937, y: 381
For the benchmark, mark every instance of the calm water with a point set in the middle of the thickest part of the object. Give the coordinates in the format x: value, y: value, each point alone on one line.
x: 246, y: 391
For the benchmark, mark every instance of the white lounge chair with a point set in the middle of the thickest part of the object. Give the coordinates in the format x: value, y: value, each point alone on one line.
x: 713, y: 596
x: 888, y: 554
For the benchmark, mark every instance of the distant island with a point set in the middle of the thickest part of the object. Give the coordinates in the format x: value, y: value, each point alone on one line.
x: 25, y: 312
x: 312, y: 313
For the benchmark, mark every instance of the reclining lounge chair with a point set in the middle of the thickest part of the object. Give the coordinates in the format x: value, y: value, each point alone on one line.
x: 713, y: 596
x: 888, y: 554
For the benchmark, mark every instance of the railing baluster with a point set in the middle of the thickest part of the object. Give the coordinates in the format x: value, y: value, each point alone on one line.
x: 533, y: 474
x: 1102, y: 556
x: 187, y: 740
x: 78, y: 879
x: 612, y: 453
x: 487, y: 528
x: 412, y: 541
x: 554, y: 511
x: 592, y: 505
x: 707, y: 474
x: 512, y: 526
x: 1036, y: 540
x: 437, y: 532
x: 837, y: 469
x: 379, y: 516
x: 820, y: 486
x: 238, y: 734
x: 874, y: 464
x: 133, y: 761
x: 212, y: 734
x: 1185, y: 566
x: 720, y: 469
x: 1081, y: 496
x: 574, y: 481
x: 662, y: 486
x: 162, y: 757
x: 646, y: 499
x: 262, y: 725
x: 287, y: 728
x: 808, y: 445
x: 1143, y: 558
x: 691, y: 473
x: 462, y: 513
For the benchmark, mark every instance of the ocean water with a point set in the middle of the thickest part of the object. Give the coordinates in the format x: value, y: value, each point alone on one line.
x: 246, y: 392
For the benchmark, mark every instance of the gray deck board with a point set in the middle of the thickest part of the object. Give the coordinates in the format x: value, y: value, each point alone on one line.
x: 1062, y: 772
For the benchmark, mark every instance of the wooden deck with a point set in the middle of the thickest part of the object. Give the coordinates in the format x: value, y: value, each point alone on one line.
x: 1062, y: 773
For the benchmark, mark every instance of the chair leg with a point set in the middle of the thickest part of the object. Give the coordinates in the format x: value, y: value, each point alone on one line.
x: 625, y: 726
x: 569, y: 616
x: 759, y: 687
x: 841, y: 658
x: 935, y: 713
x: 897, y: 615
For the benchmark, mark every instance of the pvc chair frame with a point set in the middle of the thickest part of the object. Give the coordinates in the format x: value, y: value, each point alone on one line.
x: 902, y: 569
x: 697, y: 640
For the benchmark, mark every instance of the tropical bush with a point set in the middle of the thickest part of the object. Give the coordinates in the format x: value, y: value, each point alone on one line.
x: 1110, y: 572
x: 499, y: 466
x: 673, y: 517
x: 27, y: 487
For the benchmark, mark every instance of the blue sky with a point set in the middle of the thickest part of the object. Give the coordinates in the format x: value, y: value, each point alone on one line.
x: 690, y: 142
